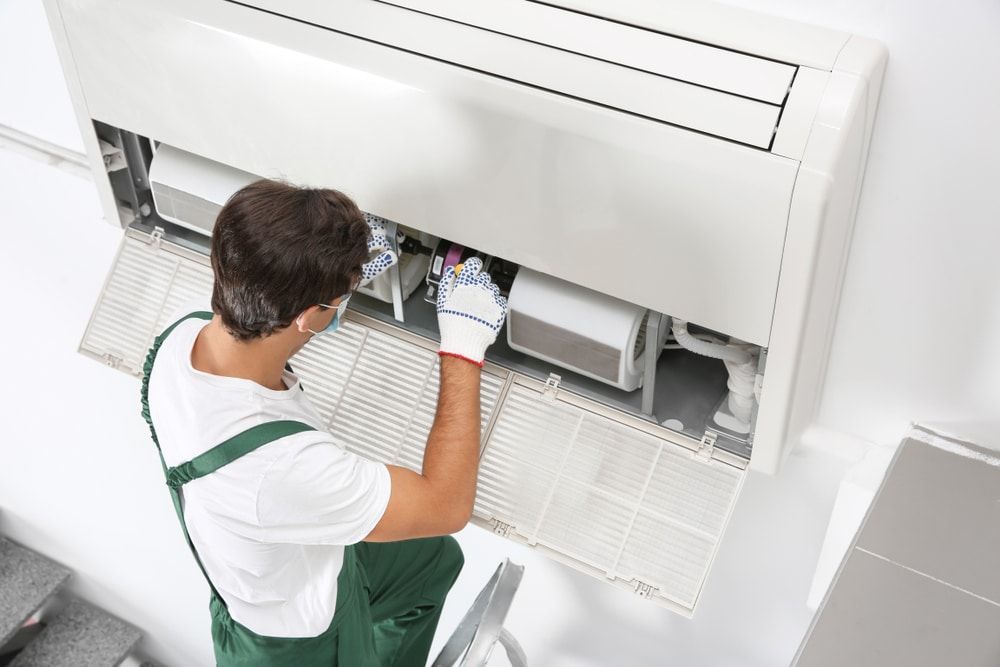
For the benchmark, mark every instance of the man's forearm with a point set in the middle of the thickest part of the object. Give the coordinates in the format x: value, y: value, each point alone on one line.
x: 451, y: 458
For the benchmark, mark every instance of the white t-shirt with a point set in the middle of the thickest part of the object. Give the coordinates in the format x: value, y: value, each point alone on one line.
x: 270, y: 528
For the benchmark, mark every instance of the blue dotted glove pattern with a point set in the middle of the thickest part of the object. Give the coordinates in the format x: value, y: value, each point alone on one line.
x: 472, y: 275
x: 377, y: 240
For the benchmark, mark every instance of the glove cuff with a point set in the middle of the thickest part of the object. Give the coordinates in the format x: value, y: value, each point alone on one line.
x: 464, y: 337
x: 442, y: 353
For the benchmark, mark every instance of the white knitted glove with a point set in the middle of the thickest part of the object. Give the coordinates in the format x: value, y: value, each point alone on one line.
x: 470, y: 312
x: 377, y: 240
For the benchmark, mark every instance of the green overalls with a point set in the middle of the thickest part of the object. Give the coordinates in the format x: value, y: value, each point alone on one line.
x: 389, y: 596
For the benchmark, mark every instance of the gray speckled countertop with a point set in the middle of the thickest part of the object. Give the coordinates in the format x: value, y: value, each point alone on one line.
x: 80, y: 635
x: 27, y: 580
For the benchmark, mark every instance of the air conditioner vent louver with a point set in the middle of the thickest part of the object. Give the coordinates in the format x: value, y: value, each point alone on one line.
x: 651, y: 75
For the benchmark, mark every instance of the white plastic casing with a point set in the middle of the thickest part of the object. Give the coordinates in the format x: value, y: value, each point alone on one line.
x: 576, y: 328
x: 670, y: 196
x: 189, y: 189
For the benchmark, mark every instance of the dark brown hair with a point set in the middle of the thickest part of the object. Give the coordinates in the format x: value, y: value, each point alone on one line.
x: 278, y: 249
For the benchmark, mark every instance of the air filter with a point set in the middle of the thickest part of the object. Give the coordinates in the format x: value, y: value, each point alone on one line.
x: 578, y: 329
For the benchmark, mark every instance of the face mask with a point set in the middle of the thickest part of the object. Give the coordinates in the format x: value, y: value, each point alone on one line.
x: 335, y: 322
x: 333, y: 325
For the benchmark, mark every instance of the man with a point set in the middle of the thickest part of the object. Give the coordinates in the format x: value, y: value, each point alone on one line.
x: 315, y: 556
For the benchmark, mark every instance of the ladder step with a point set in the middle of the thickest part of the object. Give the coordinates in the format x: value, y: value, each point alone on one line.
x: 81, y: 635
x: 27, y: 581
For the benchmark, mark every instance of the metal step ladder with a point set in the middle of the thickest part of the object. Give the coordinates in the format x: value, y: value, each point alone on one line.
x: 472, y: 643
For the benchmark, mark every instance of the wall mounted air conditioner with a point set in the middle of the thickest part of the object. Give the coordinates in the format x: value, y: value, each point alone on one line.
x: 697, y: 162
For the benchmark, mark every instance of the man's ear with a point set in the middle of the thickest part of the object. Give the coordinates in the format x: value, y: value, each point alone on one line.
x: 300, y: 321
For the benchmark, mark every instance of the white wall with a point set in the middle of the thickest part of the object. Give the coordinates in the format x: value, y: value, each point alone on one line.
x: 919, y: 321
x: 33, y: 95
x: 79, y: 482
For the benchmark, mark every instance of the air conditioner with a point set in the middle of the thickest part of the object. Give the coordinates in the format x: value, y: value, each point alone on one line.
x: 698, y: 163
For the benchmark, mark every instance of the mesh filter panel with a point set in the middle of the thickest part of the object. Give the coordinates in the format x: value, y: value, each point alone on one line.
x: 527, y: 447
x: 668, y: 556
x: 145, y: 287
x: 696, y: 495
x: 379, y: 392
x: 411, y: 452
x: 631, y: 505
x: 325, y: 366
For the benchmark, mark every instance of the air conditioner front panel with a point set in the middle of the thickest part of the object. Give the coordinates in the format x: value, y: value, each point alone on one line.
x: 633, y: 205
x: 724, y: 25
x: 645, y: 84
x: 598, y: 38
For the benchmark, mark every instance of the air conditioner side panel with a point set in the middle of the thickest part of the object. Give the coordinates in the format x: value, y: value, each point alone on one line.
x: 821, y: 222
x: 662, y: 217
x: 82, y: 113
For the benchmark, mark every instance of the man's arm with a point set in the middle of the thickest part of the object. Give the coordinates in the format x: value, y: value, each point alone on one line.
x: 439, y: 500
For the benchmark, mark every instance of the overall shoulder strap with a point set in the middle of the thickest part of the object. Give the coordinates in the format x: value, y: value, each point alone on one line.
x: 220, y: 455
x: 213, y: 459
x: 228, y: 451
x: 147, y: 368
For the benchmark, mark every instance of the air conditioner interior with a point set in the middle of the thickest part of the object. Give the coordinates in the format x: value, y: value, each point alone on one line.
x: 688, y: 389
x: 688, y: 395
